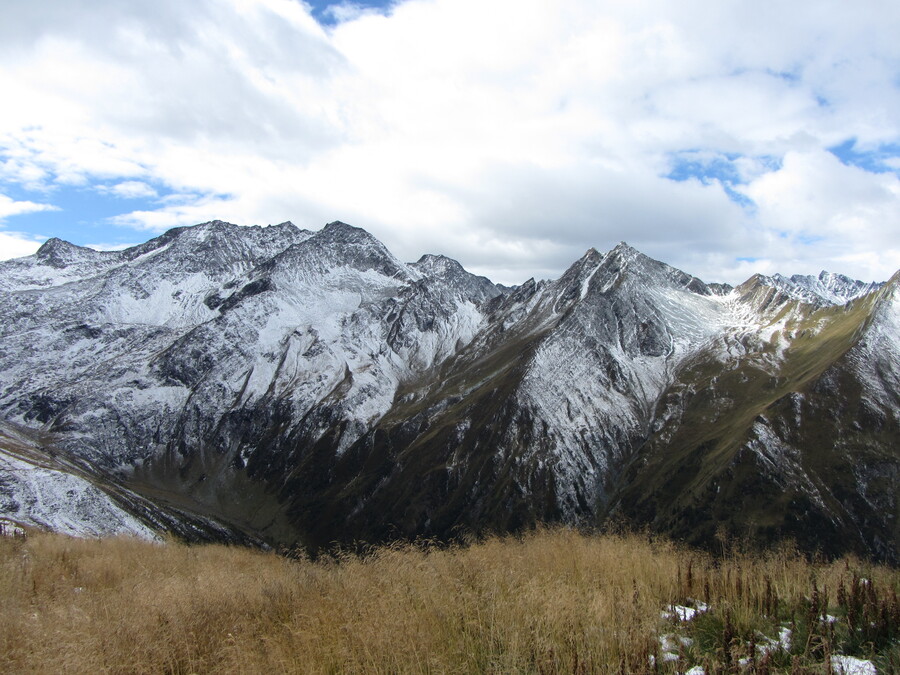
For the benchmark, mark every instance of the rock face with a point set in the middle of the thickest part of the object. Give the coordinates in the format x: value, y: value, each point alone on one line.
x: 294, y: 387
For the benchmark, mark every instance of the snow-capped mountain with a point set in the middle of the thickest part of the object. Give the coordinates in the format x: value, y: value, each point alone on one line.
x: 827, y: 288
x: 280, y: 385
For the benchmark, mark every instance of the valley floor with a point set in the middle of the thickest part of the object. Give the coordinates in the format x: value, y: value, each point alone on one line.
x: 552, y: 601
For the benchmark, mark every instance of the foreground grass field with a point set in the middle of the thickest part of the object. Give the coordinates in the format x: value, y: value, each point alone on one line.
x: 553, y: 601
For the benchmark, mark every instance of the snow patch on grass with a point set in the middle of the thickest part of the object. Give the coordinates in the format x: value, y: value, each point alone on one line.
x: 849, y: 665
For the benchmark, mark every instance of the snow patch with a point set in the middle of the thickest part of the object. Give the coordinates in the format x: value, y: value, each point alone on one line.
x: 849, y: 665
x: 682, y: 613
x: 50, y: 499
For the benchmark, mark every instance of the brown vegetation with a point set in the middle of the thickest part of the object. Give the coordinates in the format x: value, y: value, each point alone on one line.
x: 553, y: 601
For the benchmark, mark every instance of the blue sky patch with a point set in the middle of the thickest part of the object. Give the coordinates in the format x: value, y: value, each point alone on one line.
x: 322, y: 10
x: 722, y: 168
x: 709, y: 166
x: 875, y: 160
x: 808, y: 239
x: 792, y: 76
x: 83, y: 212
x: 706, y: 167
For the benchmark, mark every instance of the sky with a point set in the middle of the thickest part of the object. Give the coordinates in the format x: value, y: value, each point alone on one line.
x: 725, y: 138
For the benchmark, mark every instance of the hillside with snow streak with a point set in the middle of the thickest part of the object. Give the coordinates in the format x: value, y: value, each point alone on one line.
x: 292, y: 387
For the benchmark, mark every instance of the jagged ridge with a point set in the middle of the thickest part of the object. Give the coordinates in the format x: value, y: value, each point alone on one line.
x: 309, y: 387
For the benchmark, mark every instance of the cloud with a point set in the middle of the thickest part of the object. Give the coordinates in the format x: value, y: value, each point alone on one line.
x: 340, y: 12
x: 817, y: 212
x: 131, y: 189
x: 10, y: 207
x: 591, y: 206
x: 16, y: 245
x: 180, y: 210
x: 509, y: 134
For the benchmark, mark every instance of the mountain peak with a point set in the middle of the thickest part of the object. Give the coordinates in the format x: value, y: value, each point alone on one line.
x: 624, y: 248
x: 827, y: 288
x: 436, y: 257
x: 56, y: 245
x: 435, y: 263
x: 624, y: 254
x: 339, y: 230
x: 590, y: 258
x: 476, y: 288
x: 339, y: 244
x: 624, y: 259
x: 59, y: 253
x: 215, y: 223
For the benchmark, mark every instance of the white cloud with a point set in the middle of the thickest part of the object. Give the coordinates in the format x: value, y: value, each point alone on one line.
x: 819, y: 213
x: 132, y: 189
x: 10, y: 207
x: 174, y: 215
x: 340, y: 12
x: 511, y: 134
x: 16, y: 245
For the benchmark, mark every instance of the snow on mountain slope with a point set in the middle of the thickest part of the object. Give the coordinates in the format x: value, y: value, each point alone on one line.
x: 204, y: 321
x: 56, y: 262
x: 55, y: 500
x: 827, y: 288
x: 794, y: 434
x: 594, y: 381
x: 451, y: 274
x: 308, y: 386
x: 876, y: 355
x: 539, y: 416
x: 337, y: 311
x: 37, y: 492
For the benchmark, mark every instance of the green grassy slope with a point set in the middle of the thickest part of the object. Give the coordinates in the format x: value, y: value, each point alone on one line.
x: 766, y: 448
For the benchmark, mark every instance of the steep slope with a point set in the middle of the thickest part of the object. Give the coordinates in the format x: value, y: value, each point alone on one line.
x: 308, y: 387
x: 827, y: 288
x: 42, y: 486
x: 789, y: 431
x: 40, y: 490
x: 64, y: 345
x: 192, y: 352
x: 533, y: 419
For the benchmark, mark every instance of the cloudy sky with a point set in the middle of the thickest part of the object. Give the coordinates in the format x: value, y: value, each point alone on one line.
x: 725, y: 137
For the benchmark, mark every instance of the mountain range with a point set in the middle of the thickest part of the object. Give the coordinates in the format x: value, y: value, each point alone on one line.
x: 284, y: 387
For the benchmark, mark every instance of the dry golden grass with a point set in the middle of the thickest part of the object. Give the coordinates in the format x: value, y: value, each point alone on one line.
x: 553, y: 601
